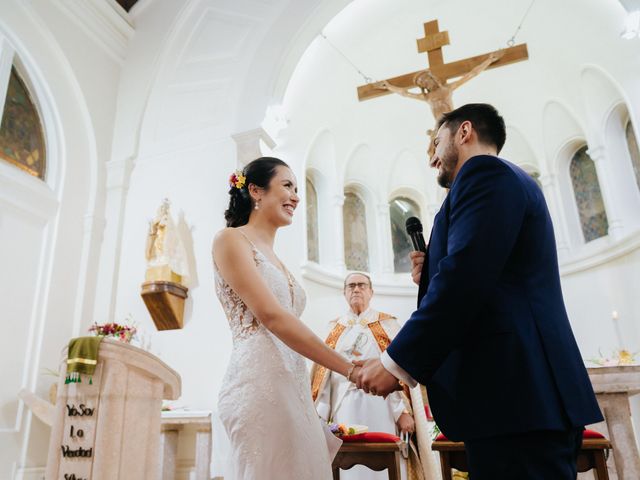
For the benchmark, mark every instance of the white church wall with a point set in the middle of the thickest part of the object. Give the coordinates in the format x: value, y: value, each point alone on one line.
x: 57, y: 223
x: 196, y: 92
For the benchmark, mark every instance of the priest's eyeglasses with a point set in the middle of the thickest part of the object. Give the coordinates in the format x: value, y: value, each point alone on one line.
x: 360, y: 285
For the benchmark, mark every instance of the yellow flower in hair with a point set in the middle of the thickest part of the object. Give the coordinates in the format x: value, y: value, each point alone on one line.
x: 237, y: 179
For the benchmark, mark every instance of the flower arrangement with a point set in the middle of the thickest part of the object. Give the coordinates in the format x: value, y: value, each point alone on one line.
x: 618, y: 358
x: 340, y: 429
x: 124, y: 333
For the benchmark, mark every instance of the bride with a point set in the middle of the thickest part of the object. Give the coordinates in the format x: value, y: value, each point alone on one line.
x: 265, y: 401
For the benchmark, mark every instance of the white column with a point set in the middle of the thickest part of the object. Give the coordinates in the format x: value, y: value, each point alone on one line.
x: 336, y: 243
x: 118, y: 178
x: 599, y: 156
x: 385, y: 242
x: 550, y: 190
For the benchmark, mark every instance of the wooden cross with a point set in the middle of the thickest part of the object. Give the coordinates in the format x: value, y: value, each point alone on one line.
x: 432, y: 43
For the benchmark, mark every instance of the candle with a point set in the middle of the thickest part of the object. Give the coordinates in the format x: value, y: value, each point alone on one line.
x: 614, y: 315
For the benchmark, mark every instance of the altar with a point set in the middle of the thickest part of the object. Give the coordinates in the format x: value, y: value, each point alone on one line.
x: 613, y: 387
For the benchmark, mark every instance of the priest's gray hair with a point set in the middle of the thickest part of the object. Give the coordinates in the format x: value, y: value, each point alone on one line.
x: 350, y: 274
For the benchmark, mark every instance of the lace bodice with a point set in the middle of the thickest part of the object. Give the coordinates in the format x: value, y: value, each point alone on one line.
x: 283, y: 285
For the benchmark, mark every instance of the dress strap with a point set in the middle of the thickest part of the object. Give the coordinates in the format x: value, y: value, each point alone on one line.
x: 253, y: 245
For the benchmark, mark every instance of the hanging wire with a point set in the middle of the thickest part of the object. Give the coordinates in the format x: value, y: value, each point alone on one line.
x: 367, y: 78
x: 511, y: 42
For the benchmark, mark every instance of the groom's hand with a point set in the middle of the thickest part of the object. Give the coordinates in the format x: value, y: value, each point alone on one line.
x: 375, y: 379
x: 417, y: 262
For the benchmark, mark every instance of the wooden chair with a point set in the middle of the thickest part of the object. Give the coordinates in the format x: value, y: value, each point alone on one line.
x: 375, y: 450
x: 593, y: 455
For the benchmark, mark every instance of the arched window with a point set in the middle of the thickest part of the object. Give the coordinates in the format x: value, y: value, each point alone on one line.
x: 313, y: 248
x: 634, y: 152
x: 400, y: 209
x: 21, y: 134
x: 586, y: 189
x: 356, y: 248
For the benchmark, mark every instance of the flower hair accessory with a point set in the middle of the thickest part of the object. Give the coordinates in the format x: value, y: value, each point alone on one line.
x: 237, y: 180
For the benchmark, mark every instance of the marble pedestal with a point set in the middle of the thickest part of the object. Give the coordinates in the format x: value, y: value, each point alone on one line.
x: 613, y: 387
x: 111, y: 428
x: 172, y: 424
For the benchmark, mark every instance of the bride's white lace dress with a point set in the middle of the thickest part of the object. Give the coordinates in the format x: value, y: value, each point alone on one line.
x: 265, y: 401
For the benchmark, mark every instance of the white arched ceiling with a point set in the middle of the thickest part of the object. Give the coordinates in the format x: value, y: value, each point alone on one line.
x: 518, y: 150
x: 408, y: 174
x: 561, y: 131
x: 358, y: 168
x: 217, y: 67
x: 322, y: 155
x: 601, y: 95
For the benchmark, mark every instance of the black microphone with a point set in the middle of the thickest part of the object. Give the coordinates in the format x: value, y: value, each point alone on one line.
x: 414, y: 230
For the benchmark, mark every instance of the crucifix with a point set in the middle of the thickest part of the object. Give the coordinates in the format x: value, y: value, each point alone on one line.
x: 432, y: 82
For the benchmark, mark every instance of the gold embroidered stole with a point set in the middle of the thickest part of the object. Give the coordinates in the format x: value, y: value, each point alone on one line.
x: 321, y: 371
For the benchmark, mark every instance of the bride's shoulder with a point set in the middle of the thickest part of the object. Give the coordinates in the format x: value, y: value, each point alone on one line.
x: 229, y: 241
x: 226, y: 235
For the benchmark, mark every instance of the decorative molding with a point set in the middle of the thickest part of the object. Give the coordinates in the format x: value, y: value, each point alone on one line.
x: 396, y: 285
x: 26, y: 192
x: 103, y: 22
x: 606, y: 253
x: 597, y: 153
x: 119, y: 173
x: 6, y: 62
x: 248, y: 144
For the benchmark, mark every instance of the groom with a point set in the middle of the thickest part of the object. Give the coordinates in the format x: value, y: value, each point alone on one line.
x: 490, y: 338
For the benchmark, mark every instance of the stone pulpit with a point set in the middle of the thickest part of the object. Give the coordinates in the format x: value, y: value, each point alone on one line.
x: 613, y: 387
x: 108, y: 425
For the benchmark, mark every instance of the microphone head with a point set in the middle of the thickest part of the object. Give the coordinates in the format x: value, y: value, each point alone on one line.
x: 413, y: 225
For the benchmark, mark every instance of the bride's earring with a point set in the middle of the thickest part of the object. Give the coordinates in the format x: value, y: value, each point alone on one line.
x: 257, y: 205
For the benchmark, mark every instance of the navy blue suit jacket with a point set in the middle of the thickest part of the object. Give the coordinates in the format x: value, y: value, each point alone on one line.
x: 490, y: 338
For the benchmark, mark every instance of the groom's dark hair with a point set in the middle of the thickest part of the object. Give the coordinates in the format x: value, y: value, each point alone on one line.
x: 486, y: 121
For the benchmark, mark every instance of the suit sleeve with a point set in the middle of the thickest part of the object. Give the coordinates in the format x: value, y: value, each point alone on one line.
x: 487, y: 208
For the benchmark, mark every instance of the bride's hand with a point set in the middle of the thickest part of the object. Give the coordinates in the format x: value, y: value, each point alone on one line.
x: 355, y: 374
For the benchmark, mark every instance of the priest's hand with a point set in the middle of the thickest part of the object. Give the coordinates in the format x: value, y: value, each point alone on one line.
x: 417, y: 262
x: 373, y: 378
x: 406, y: 424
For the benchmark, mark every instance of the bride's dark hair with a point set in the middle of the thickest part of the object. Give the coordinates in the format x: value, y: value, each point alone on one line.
x: 259, y: 172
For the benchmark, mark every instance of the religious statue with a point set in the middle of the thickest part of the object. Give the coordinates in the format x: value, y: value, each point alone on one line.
x: 432, y: 82
x: 164, y: 290
x: 165, y: 253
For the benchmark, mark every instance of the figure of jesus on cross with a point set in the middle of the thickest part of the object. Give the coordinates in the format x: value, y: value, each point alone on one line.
x: 432, y: 83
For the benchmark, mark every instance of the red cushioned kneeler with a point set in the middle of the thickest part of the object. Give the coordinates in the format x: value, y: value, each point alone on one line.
x: 371, y: 437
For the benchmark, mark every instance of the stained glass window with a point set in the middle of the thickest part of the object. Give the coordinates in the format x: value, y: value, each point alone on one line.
x: 21, y: 135
x: 632, y: 143
x: 356, y: 248
x: 313, y: 250
x: 399, y: 210
x: 593, y: 217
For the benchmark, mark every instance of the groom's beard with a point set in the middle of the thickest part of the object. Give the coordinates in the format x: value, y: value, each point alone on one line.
x: 448, y: 162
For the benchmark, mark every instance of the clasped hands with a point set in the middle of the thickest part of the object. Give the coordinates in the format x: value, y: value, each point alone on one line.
x: 371, y: 377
